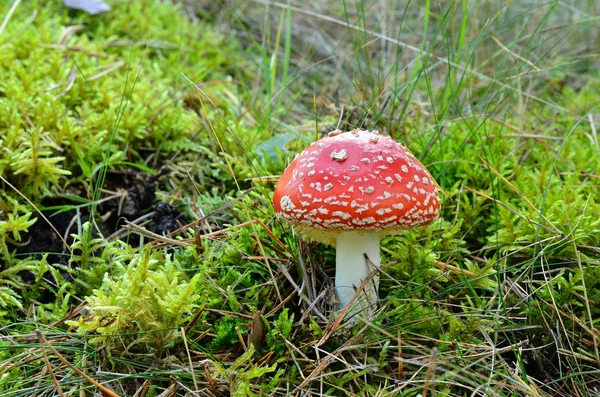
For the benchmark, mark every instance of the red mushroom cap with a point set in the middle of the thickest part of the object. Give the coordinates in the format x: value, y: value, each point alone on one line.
x: 357, y: 180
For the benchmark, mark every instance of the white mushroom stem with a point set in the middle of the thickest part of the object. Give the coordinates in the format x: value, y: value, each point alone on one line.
x: 352, y: 268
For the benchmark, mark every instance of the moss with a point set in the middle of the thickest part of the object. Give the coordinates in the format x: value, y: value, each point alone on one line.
x: 80, y: 92
x: 68, y: 78
x: 142, y: 305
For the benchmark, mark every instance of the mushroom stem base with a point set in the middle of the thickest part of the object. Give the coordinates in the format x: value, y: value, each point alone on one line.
x: 352, y: 268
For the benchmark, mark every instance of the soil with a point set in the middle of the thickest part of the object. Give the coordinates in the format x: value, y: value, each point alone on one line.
x: 136, y: 197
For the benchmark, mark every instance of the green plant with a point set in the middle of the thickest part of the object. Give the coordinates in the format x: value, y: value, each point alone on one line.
x: 14, y: 220
x: 281, y: 328
x: 142, y: 305
x: 239, y: 375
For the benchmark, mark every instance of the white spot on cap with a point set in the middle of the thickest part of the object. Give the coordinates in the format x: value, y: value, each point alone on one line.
x: 341, y: 214
x: 311, y: 173
x: 390, y: 219
x: 327, y: 187
x: 404, y: 168
x: 385, y: 196
x: 389, y: 180
x: 365, y: 221
x: 286, y: 204
x: 383, y: 211
x: 361, y: 208
x: 354, y: 168
x: 425, y: 181
x: 417, y: 179
x: 339, y: 156
x: 365, y: 160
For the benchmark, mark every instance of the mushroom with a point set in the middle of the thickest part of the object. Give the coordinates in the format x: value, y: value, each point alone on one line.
x: 349, y: 189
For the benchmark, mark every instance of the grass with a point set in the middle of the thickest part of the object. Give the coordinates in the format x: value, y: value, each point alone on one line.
x: 150, y: 138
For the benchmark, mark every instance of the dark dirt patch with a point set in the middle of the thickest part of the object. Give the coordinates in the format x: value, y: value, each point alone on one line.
x: 166, y: 218
x: 133, y: 195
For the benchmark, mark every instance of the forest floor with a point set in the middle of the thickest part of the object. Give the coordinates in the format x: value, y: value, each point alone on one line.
x: 140, y: 254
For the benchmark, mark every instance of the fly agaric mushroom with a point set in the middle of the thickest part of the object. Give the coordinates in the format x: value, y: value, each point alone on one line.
x: 350, y: 189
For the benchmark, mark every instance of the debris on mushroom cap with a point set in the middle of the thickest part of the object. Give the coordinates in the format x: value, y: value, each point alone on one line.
x: 357, y: 180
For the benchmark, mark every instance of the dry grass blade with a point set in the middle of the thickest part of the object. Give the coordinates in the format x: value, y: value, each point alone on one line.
x: 446, y: 267
x: 418, y: 50
x: 325, y: 362
x: 515, y: 55
x: 49, y: 367
x: 107, y: 392
x: 595, y: 333
x: 430, y: 378
x: 342, y: 314
x: 187, y: 351
x: 9, y: 15
x: 273, y: 236
x: 266, y: 178
x: 297, y: 290
x: 400, y: 364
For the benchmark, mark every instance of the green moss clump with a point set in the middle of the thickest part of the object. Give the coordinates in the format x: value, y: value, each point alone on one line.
x: 141, y: 305
x: 78, y: 90
x: 79, y: 93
